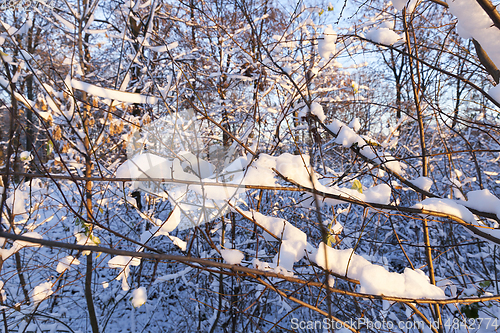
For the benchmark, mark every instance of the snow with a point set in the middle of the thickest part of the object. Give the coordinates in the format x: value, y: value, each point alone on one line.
x: 125, y: 82
x: 388, y: 24
x: 355, y: 124
x: 326, y: 45
x: 232, y: 256
x: 346, y: 137
x: 139, y: 297
x: 260, y: 171
x: 111, y: 94
x: 446, y: 206
x: 390, y: 163
x: 194, y: 203
x: 3, y: 294
x: 144, y: 166
x: 340, y: 261
x: 238, y: 164
x: 197, y: 165
x: 123, y: 263
x: 482, y: 200
x: 337, y: 228
x: 316, y: 109
x: 411, y: 284
x: 400, y: 4
x: 65, y: 263
x: 172, y: 221
x: 335, y: 126
x: 383, y: 36
x: 41, y: 292
x: 164, y: 48
x: 473, y: 22
x: 270, y: 267
x: 495, y: 93
x: 17, y: 201
x: 26, y: 156
x: 179, y: 243
x: 293, y: 240
x: 162, y: 227
x: 83, y: 239
x: 296, y: 168
x: 69, y: 26
x: 375, y: 279
x: 423, y: 183
x: 173, y: 276
x: 18, y: 245
x: 378, y: 194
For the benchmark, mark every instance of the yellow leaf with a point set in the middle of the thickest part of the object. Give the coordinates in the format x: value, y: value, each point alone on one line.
x: 356, y: 185
x: 3, y: 54
x: 330, y: 240
x: 95, y: 239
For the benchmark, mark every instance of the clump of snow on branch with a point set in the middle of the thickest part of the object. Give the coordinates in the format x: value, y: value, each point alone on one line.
x: 326, y: 44
x: 495, y: 93
x: 297, y: 169
x: 424, y: 183
x: 375, y: 279
x: 293, y: 240
x: 315, y: 109
x: 123, y: 263
x: 65, y: 263
x: 482, y: 200
x: 446, y: 206
x: 41, y: 292
x: 17, y: 202
x: 355, y: 124
x: 3, y: 294
x: 347, y: 137
x: 384, y: 36
x: 17, y: 245
x: 139, y: 297
x: 86, y: 239
x: 26, y: 156
x: 474, y: 22
x: 110, y: 94
x: 232, y: 256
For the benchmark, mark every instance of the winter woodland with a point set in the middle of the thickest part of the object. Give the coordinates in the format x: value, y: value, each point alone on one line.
x: 249, y: 166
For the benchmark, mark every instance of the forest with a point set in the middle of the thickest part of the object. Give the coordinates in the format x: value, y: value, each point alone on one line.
x: 249, y: 166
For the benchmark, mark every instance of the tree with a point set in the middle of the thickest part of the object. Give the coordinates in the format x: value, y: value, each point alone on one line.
x: 245, y: 166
